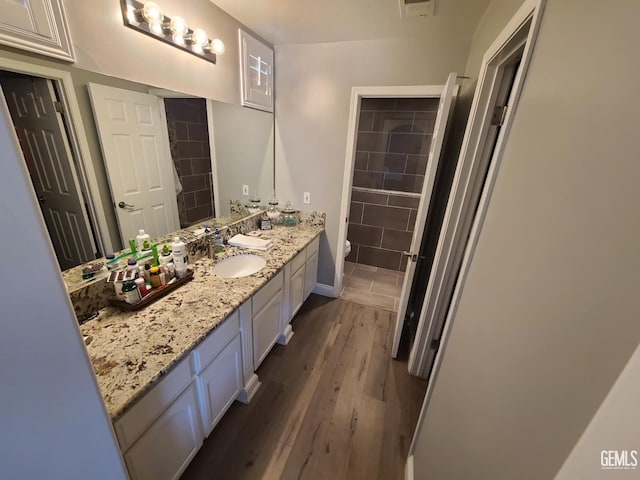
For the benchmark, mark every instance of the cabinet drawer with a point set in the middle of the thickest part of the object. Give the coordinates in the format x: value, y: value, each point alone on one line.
x: 152, y: 404
x: 267, y: 292
x: 298, y: 262
x: 216, y: 341
x: 313, y: 247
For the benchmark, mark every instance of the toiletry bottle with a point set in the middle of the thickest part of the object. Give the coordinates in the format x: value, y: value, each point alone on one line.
x: 154, y: 274
x: 171, y: 270
x: 143, y: 241
x: 179, y: 257
x: 165, y: 255
x: 132, y: 264
x: 130, y: 292
x: 111, y: 261
x: 154, y: 252
x: 218, y: 241
x: 140, y: 285
x: 132, y: 245
x: 147, y: 278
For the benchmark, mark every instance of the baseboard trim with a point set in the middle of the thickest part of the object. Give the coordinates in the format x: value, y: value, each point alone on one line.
x: 285, y: 337
x: 408, y: 469
x: 250, y: 390
x: 324, y: 290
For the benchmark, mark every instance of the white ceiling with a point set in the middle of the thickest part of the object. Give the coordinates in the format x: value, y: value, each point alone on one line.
x: 325, y: 21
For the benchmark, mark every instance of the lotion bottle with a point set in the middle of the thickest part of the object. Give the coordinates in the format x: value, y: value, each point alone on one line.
x: 179, y: 257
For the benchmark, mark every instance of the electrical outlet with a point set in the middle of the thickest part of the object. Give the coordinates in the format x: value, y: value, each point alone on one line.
x: 307, y: 197
x: 245, y: 190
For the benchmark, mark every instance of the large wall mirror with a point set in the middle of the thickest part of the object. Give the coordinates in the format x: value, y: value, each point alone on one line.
x: 161, y: 160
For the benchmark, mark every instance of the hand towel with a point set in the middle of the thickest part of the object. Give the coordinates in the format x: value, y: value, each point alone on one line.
x: 243, y: 241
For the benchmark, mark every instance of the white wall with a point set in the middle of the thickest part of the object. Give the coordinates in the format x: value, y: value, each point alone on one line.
x: 313, y: 90
x: 54, y: 424
x: 614, y: 427
x: 244, y: 153
x: 549, y: 314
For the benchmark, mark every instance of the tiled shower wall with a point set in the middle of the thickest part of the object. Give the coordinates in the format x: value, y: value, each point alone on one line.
x: 189, y: 142
x: 392, y: 148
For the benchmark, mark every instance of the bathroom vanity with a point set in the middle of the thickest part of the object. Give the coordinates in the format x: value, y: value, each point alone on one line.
x: 170, y: 371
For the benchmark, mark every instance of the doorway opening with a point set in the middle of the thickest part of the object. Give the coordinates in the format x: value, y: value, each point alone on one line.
x: 42, y: 128
x: 391, y: 153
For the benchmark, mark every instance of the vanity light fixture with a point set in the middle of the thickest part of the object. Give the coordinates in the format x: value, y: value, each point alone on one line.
x: 148, y: 18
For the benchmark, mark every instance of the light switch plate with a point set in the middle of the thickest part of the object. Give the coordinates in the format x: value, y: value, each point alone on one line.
x: 307, y: 197
x: 245, y: 190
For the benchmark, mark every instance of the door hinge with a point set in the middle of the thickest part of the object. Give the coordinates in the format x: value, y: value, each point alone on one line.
x: 499, y: 113
x: 58, y: 107
x: 412, y: 256
x: 435, y: 344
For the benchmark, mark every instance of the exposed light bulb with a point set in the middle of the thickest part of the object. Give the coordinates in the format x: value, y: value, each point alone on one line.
x: 156, y: 27
x: 152, y: 12
x: 178, y: 39
x: 217, y: 46
x: 178, y: 26
x: 199, y: 37
x: 131, y: 15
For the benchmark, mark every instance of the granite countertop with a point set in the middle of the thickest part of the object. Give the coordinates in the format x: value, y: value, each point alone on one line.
x: 132, y: 351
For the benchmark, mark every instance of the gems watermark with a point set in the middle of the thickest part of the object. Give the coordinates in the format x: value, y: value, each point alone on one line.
x: 618, y: 459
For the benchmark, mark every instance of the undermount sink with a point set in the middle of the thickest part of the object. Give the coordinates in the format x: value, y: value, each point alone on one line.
x: 239, y: 265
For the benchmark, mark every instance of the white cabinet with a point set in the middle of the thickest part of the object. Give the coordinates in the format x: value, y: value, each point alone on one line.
x: 165, y: 450
x: 218, y: 364
x: 38, y: 26
x: 220, y: 383
x: 267, y: 313
x: 161, y: 433
x: 311, y: 267
x: 256, y: 73
x: 297, y: 284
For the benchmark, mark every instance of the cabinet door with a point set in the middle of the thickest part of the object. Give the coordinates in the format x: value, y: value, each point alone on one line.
x: 296, y: 296
x: 38, y: 26
x: 266, y: 329
x: 165, y: 450
x: 256, y: 73
x: 220, y: 383
x: 311, y: 274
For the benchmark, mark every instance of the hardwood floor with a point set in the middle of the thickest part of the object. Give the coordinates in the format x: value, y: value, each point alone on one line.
x: 332, y: 405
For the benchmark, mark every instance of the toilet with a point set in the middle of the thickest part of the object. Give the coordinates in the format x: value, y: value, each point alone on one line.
x: 347, y: 249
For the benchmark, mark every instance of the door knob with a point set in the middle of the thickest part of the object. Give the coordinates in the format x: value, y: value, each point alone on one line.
x: 125, y: 205
x: 41, y: 199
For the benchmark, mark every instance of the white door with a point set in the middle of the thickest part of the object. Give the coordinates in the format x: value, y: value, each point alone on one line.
x: 444, y: 107
x: 135, y: 147
x: 43, y: 139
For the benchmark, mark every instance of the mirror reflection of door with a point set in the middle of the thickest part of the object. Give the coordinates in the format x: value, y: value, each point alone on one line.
x: 135, y: 147
x: 43, y: 138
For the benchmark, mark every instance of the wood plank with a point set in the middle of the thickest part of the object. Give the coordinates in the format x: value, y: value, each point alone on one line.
x: 367, y: 442
x: 336, y: 439
x: 331, y: 402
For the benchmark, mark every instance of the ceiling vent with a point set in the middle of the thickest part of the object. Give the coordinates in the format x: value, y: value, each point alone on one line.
x: 416, y: 8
